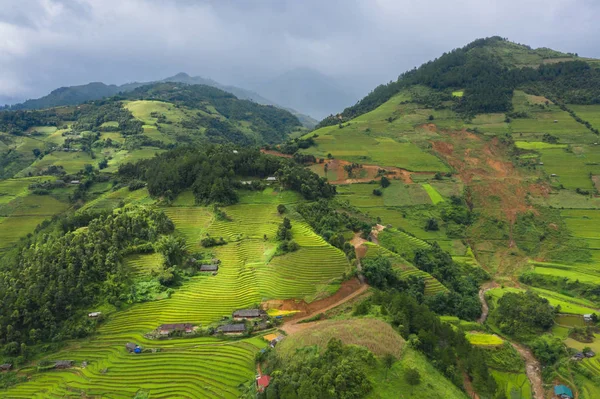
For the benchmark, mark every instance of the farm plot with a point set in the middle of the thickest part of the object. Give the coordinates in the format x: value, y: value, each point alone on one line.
x: 485, y: 340
x: 573, y: 168
x: 433, y: 194
x: 383, y: 151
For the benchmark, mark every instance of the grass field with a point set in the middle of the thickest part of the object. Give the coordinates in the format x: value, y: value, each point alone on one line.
x: 376, y: 335
x: 433, y: 383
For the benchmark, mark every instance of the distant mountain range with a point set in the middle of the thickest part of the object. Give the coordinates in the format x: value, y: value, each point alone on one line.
x: 303, y: 92
x: 307, y: 90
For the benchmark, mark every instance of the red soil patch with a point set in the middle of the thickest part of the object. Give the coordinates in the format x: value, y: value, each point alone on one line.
x: 442, y: 147
x: 276, y: 153
x: 486, y: 168
x: 596, y: 181
x: 368, y: 173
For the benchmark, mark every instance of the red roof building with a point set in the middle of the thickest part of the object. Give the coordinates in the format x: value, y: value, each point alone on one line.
x: 262, y: 382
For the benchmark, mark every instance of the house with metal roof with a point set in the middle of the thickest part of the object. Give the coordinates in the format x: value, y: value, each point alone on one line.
x: 563, y: 392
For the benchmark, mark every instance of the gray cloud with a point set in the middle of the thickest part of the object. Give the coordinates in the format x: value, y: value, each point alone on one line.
x: 49, y: 43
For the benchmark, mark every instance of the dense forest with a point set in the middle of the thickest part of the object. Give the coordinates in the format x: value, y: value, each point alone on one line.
x: 214, y: 172
x: 47, y: 283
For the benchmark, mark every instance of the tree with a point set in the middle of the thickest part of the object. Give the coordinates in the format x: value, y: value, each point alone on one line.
x: 388, y: 362
x: 281, y: 209
x: 432, y: 225
x: 36, y: 152
x: 377, y: 192
x: 412, y: 376
x: 385, y: 182
x: 103, y: 164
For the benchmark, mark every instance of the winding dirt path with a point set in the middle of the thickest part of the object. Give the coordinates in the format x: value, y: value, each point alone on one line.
x: 485, y: 309
x: 532, y: 366
x: 295, y: 325
x: 532, y: 369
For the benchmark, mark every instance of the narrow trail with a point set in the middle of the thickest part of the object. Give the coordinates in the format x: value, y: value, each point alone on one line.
x: 485, y: 310
x: 532, y: 366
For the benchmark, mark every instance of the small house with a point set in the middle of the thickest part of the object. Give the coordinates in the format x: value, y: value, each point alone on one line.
x: 166, y: 329
x: 246, y: 182
x: 590, y: 354
x: 63, y: 364
x: 246, y: 314
x: 235, y: 151
x: 232, y: 329
x: 563, y: 392
x: 578, y: 356
x: 75, y: 182
x: 553, y: 175
x: 5, y: 367
x: 277, y: 340
x: 209, y: 268
x: 94, y: 314
x: 587, y: 317
x: 262, y: 382
x: 555, y: 121
x: 130, y: 346
x: 271, y: 179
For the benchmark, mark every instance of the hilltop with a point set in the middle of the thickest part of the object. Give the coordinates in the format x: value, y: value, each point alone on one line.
x: 75, y: 95
x: 438, y: 238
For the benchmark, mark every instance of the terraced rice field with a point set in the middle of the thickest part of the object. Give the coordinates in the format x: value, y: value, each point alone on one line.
x: 143, y: 264
x: 515, y: 385
x: 198, y: 367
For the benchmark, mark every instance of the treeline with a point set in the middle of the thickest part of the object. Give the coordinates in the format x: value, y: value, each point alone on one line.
x: 47, y: 284
x: 271, y: 123
x: 213, y: 173
x: 487, y: 81
x: 17, y: 122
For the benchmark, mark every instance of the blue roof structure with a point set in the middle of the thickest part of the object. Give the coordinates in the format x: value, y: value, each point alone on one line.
x: 138, y: 350
x: 563, y: 390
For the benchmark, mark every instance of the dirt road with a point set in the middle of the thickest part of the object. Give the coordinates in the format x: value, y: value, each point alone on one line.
x: 295, y: 325
x: 484, y: 306
x: 532, y: 366
x: 533, y: 370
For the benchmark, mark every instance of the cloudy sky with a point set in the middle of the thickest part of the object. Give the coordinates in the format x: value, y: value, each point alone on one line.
x: 45, y: 44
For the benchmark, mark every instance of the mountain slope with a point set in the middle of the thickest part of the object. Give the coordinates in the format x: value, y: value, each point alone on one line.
x: 487, y: 71
x: 74, y: 95
x: 135, y: 124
